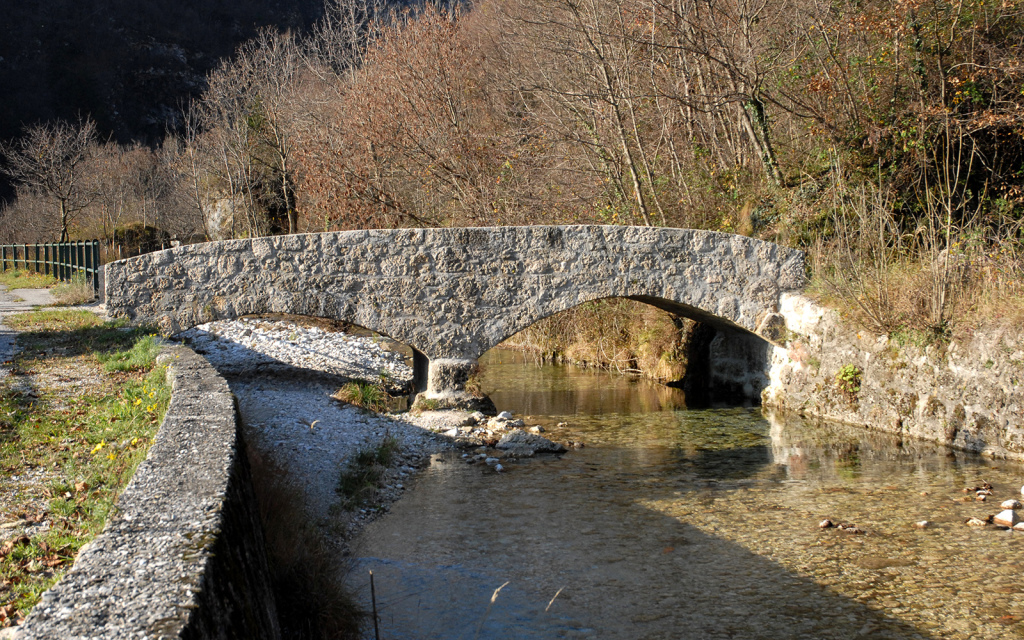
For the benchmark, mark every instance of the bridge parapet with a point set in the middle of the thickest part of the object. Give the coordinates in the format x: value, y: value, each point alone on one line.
x: 454, y: 293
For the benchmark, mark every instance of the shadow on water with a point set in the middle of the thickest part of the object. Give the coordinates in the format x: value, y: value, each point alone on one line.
x: 626, y: 570
x: 620, y: 527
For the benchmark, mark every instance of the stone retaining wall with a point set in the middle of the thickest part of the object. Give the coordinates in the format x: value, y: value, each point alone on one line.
x: 967, y: 395
x: 182, y: 555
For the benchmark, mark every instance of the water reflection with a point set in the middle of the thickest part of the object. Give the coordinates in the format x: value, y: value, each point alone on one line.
x: 674, y: 523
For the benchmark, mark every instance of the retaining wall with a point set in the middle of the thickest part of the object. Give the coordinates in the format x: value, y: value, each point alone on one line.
x: 966, y: 394
x: 182, y: 556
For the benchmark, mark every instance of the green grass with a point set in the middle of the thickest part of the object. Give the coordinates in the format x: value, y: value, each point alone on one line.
x: 22, y: 279
x: 141, y: 356
x: 360, y: 480
x: 86, y: 442
x: 363, y: 394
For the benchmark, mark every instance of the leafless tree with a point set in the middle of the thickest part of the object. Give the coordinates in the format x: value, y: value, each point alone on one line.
x: 47, y: 161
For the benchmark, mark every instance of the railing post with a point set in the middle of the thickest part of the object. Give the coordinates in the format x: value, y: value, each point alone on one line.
x: 96, y: 266
x: 3, y: 258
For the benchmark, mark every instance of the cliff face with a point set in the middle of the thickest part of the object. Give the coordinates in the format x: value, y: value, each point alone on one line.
x: 129, y: 64
x: 968, y: 395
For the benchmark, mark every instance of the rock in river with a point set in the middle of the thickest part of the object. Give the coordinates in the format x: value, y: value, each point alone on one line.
x: 1006, y: 518
x: 523, y: 443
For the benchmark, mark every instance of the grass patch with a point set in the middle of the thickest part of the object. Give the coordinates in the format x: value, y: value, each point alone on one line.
x: 363, y: 394
x: 72, y: 332
x: 79, y: 432
x: 360, y: 480
x: 77, y: 291
x: 22, y: 279
x: 141, y: 356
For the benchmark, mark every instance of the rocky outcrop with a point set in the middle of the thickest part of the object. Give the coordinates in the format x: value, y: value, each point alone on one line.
x: 965, y: 394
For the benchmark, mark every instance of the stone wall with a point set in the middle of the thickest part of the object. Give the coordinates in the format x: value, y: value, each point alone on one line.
x: 182, y: 555
x: 452, y: 294
x: 967, y: 395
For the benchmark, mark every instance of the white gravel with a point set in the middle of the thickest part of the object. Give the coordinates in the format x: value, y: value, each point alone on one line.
x: 248, y: 346
x: 283, y: 375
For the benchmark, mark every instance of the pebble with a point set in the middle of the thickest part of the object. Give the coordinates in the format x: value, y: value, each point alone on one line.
x: 1010, y: 504
x: 498, y: 467
x: 923, y: 524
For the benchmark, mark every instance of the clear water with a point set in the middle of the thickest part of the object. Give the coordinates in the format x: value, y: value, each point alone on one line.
x: 676, y: 523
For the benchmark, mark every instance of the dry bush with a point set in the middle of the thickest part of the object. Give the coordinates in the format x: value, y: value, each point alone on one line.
x: 938, y: 278
x: 615, y: 333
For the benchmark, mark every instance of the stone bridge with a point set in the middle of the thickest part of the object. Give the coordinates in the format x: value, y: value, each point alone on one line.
x: 452, y: 294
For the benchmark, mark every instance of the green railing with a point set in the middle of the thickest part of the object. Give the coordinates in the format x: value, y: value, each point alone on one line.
x: 62, y: 260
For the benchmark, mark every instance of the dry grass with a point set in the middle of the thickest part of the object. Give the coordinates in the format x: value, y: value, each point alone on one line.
x: 306, y: 573
x: 616, y: 334
x: 936, y: 280
x: 77, y: 291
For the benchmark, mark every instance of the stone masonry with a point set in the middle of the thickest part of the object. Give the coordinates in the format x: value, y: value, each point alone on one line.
x: 452, y: 294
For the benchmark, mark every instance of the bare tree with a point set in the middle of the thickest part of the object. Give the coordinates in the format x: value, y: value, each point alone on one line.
x: 47, y: 161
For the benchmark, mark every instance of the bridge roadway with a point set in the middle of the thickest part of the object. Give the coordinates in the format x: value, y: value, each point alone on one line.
x: 453, y: 293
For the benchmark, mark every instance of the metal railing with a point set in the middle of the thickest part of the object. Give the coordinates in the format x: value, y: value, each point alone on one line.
x: 62, y: 260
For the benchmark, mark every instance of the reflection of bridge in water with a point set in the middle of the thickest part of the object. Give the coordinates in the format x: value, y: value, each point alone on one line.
x: 452, y: 294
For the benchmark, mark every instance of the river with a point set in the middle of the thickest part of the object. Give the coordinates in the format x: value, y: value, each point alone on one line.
x: 681, y: 523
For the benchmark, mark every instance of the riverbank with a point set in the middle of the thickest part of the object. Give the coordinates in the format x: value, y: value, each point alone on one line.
x: 286, y: 374
x: 615, y: 334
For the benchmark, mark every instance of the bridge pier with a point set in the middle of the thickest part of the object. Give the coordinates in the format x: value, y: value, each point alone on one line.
x: 449, y: 385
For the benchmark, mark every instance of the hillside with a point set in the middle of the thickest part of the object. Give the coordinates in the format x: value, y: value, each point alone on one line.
x: 128, y: 64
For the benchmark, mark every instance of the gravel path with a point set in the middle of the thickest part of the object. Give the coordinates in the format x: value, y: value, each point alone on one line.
x: 284, y: 374
x: 16, y: 301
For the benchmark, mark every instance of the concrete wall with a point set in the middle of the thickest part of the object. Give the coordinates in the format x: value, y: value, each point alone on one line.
x: 968, y: 395
x: 182, y: 556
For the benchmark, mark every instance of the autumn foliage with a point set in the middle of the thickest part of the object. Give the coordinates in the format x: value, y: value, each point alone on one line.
x: 766, y: 117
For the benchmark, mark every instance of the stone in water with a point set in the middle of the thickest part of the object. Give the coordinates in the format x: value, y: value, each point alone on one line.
x: 1011, y: 504
x: 1006, y: 518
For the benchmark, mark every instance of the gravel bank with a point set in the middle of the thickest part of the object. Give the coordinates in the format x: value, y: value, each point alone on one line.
x: 284, y: 372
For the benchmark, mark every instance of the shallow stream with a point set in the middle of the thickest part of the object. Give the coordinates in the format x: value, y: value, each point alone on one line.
x: 677, y: 523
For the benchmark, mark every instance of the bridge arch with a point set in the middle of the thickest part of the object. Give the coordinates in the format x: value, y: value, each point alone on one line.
x: 454, y: 293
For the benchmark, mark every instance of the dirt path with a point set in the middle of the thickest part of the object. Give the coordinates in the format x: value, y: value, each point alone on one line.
x: 16, y: 301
